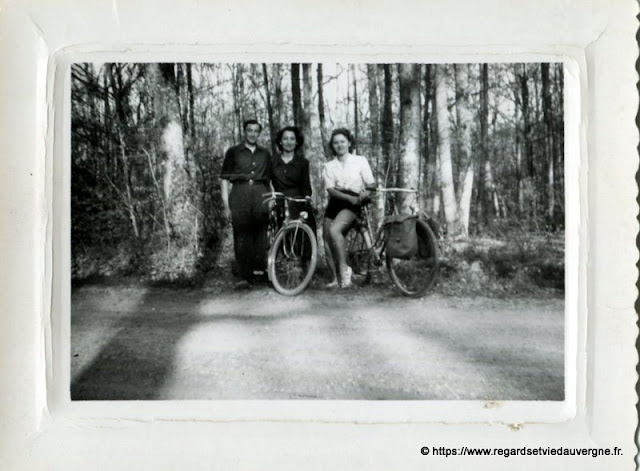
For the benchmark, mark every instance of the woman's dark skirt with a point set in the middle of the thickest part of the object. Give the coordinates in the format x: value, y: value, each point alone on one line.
x: 336, y: 205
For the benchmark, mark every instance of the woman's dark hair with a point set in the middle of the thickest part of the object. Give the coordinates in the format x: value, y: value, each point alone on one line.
x: 346, y: 133
x: 251, y: 121
x: 296, y: 131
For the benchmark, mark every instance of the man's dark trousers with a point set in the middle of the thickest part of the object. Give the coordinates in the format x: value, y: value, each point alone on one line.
x: 249, y: 217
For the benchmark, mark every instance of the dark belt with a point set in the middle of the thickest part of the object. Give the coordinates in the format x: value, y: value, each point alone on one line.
x: 250, y: 182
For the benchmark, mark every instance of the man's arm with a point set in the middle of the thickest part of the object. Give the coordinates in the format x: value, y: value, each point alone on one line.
x: 225, y: 187
x: 225, y: 184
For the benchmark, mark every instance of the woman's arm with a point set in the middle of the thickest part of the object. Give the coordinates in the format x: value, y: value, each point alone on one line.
x: 368, y: 179
x: 305, y: 184
x: 341, y: 195
x: 330, y: 184
x: 365, y: 194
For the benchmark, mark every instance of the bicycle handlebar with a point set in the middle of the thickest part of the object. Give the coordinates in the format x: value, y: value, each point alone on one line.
x: 396, y: 190
x: 276, y: 195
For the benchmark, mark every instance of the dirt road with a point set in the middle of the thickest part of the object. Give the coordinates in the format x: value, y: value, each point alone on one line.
x: 160, y: 343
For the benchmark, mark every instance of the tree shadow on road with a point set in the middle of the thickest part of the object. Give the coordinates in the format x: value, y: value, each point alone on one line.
x: 511, y: 369
x: 136, y: 362
x: 137, y: 343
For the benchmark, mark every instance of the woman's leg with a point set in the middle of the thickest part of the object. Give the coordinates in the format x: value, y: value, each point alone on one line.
x: 328, y: 250
x: 338, y: 228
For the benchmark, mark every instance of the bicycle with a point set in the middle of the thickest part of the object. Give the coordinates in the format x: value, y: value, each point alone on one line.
x: 293, y: 248
x: 412, y: 276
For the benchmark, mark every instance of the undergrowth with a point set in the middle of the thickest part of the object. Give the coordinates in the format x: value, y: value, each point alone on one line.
x: 520, y: 264
x: 517, y: 264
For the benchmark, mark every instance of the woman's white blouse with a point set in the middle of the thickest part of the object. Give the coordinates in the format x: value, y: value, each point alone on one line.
x: 353, y: 174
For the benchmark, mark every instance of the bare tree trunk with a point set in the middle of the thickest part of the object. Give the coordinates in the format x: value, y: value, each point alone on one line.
x: 321, y: 116
x: 277, y: 86
x: 110, y: 168
x: 446, y: 169
x: 178, y: 187
x: 296, y: 99
x: 435, y: 183
x: 558, y: 134
x: 374, y: 121
x: 307, y: 98
x: 436, y: 205
x: 428, y: 155
x: 238, y: 98
x: 129, y: 201
x: 517, y: 151
x: 491, y: 193
x: 355, y: 105
x: 310, y: 141
x: 492, y: 187
x: 168, y: 116
x: 528, y: 187
x: 241, y: 95
x: 548, y: 144
x: 272, y: 129
x: 485, y: 164
x: 178, y: 85
x: 255, y: 90
x: 410, y: 129
x: 465, y: 118
x: 520, y: 180
x: 526, y: 119
x: 374, y: 116
x: 192, y: 120
x: 387, y: 127
x: 348, y: 98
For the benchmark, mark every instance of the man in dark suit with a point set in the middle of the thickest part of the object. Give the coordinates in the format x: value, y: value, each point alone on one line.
x: 245, y: 176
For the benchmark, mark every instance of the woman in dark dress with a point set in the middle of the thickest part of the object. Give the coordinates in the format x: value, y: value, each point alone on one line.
x: 290, y: 172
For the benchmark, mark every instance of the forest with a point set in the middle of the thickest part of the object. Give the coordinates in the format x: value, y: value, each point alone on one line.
x: 482, y: 143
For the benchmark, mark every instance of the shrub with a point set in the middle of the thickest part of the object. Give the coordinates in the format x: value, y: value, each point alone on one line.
x: 520, y: 264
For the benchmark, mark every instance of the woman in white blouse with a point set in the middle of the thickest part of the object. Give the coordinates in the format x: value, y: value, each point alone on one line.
x: 348, y: 180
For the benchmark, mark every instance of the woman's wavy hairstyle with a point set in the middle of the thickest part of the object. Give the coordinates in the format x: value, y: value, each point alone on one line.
x: 346, y: 133
x: 295, y: 130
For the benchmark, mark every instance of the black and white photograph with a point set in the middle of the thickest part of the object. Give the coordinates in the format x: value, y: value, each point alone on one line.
x: 330, y: 231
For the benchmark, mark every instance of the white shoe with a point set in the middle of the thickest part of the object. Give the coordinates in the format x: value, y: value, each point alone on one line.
x: 346, y: 278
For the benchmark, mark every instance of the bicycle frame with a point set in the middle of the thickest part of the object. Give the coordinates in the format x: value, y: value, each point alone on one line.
x: 410, y: 276
x: 377, y: 245
x: 273, y: 216
x: 287, y: 222
x: 297, y: 225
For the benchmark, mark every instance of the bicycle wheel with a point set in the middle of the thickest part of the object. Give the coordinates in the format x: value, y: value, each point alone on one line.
x: 358, y: 255
x: 292, y: 259
x: 416, y: 275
